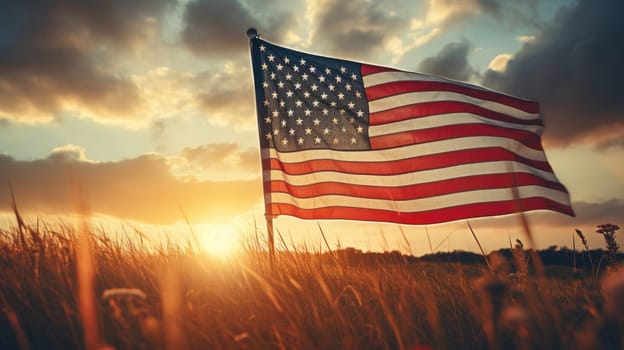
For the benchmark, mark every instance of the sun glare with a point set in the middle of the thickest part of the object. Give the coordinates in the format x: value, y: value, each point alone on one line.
x: 220, y: 241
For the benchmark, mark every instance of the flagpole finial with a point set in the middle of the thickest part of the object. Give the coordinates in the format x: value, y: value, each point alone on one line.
x: 252, y: 33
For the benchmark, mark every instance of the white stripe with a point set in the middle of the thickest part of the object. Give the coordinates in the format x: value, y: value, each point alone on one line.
x: 422, y: 204
x: 416, y: 177
x: 435, y: 121
x: 410, y: 98
x: 410, y: 151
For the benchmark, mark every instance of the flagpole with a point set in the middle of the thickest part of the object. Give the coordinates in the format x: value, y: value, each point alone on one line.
x: 252, y: 33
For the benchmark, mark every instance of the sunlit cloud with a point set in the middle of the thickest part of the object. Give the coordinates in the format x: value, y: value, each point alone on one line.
x: 499, y: 63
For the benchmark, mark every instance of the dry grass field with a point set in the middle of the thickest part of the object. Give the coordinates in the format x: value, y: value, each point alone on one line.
x: 66, y: 287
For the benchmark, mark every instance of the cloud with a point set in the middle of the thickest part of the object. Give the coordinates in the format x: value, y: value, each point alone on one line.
x: 451, y: 62
x: 216, y: 28
x: 143, y: 188
x: 574, y: 68
x: 499, y: 63
x: 218, y: 161
x: 58, y: 55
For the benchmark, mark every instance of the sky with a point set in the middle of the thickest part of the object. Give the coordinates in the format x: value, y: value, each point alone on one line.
x: 145, y: 109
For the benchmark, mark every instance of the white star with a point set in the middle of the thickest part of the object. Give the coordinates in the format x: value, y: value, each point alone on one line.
x: 331, y: 87
x: 267, y: 120
x: 275, y: 114
x: 284, y: 141
x: 290, y: 112
x: 348, y: 87
x: 353, y: 76
x: 317, y: 140
x: 343, y: 70
x: 274, y: 95
x: 360, y: 129
x: 341, y: 96
x: 325, y: 111
x: 351, y: 105
x: 316, y: 122
x: 302, y: 61
x: 332, y: 103
x: 266, y: 102
x: 271, y: 58
x: 335, y: 140
x: 300, y: 140
x: 306, y: 94
x: 280, y: 85
x: 291, y: 132
x: 338, y: 79
x: 295, y: 68
x: 334, y: 120
x: 282, y: 103
x: 289, y: 93
x: 353, y: 141
x: 352, y: 120
x: 343, y: 129
x: 283, y: 123
x: 279, y: 66
x: 299, y: 121
x: 268, y: 136
x: 288, y: 76
x: 308, y: 131
x: 273, y: 76
x: 315, y: 103
x: 265, y: 84
x: 298, y: 103
x: 327, y: 71
x: 265, y: 66
x: 262, y: 48
x: 297, y: 86
x: 360, y: 113
x: 358, y: 94
x: 322, y: 79
x: 307, y: 112
x: 312, y: 69
x: 304, y: 76
x: 324, y: 96
x: 314, y: 87
x: 275, y: 131
x: 286, y: 60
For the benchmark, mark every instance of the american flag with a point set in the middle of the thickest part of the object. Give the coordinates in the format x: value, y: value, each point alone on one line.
x: 347, y: 140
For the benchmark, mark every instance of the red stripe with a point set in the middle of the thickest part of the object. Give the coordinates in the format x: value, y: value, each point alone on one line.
x: 402, y: 87
x: 416, y: 191
x: 402, y: 166
x: 425, y: 217
x: 367, y: 70
x: 443, y: 107
x: 454, y: 131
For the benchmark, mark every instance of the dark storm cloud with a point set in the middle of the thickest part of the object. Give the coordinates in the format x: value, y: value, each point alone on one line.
x: 451, y: 62
x: 217, y: 28
x: 141, y: 188
x: 574, y: 68
x: 355, y: 28
x: 53, y: 55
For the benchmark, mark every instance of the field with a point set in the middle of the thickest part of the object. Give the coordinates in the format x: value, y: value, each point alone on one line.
x: 67, y: 287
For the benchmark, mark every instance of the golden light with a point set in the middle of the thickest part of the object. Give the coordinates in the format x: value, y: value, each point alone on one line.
x: 219, y: 241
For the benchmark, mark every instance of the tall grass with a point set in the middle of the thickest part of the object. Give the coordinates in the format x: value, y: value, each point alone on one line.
x: 175, y: 297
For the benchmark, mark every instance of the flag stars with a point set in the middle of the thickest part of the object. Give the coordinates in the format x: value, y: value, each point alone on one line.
x: 297, y: 86
x: 265, y: 84
x: 308, y: 131
x: 338, y: 79
x: 291, y: 132
x: 335, y: 120
x: 327, y: 71
x: 288, y: 76
x: 265, y: 66
x: 290, y: 112
x: 262, y: 48
x: 275, y: 114
x: 306, y: 94
x: 353, y: 76
x: 282, y: 103
x: 298, y: 103
x: 269, y: 136
x: 274, y: 95
x: 335, y: 140
x: 360, y: 113
x: 286, y: 60
x: 358, y: 94
x: 307, y: 112
x: 317, y: 140
x: 302, y: 62
x: 333, y: 104
x: 341, y: 96
x: 300, y: 141
x: 280, y: 84
x: 273, y: 75
x: 325, y: 111
x: 271, y: 58
x: 295, y: 68
x: 275, y: 132
x: 312, y: 69
x: 331, y: 87
x: 353, y: 141
x: 289, y: 93
x: 348, y: 87
x: 304, y: 76
x: 279, y: 66
x: 266, y: 103
x: 326, y: 131
x: 324, y: 96
x: 267, y: 120
x: 299, y: 121
x: 315, y: 103
x: 351, y: 105
x: 321, y: 79
x: 360, y: 129
x: 343, y: 70
x: 317, y: 122
x: 285, y: 141
x: 314, y: 87
x: 283, y: 122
